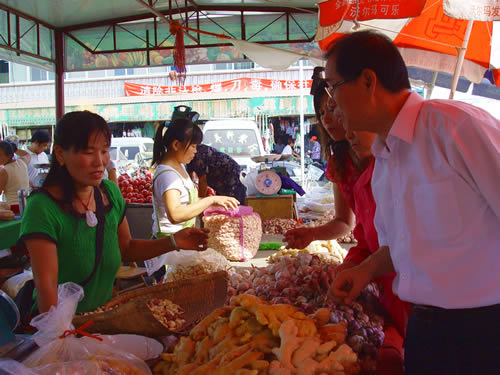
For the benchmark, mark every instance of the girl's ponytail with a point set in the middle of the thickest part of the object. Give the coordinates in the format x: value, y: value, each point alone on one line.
x: 158, y: 147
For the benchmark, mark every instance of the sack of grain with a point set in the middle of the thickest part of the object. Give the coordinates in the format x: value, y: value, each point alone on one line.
x: 236, y: 234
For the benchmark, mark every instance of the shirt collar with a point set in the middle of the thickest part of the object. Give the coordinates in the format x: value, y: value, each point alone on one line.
x: 403, y: 126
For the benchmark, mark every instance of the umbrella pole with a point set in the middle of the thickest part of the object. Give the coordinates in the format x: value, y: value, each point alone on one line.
x: 460, y: 59
x: 301, y: 106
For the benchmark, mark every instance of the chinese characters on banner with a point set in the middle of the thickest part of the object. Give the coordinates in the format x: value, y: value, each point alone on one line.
x: 234, y: 85
x: 477, y: 10
x: 333, y: 11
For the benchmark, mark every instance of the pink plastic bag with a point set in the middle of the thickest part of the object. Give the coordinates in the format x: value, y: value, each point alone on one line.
x: 236, y: 234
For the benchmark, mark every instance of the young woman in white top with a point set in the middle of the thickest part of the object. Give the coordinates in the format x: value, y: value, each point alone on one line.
x: 13, y: 175
x: 175, y: 197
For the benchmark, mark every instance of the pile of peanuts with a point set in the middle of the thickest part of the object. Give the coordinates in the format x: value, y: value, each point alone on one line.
x: 279, y: 226
x: 224, y: 235
x: 180, y: 272
x: 167, y: 313
x: 100, y: 309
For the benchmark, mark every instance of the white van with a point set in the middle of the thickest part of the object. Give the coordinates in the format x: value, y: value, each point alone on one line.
x: 127, y: 150
x: 239, y: 138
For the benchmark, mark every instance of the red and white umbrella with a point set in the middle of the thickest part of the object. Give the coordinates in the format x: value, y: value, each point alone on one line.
x: 447, y: 36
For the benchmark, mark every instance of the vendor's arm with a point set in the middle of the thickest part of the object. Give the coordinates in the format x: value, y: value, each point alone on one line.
x: 341, y: 225
x: 134, y: 250
x: 43, y: 254
x: 202, y: 186
x: 349, y: 283
x: 178, y: 213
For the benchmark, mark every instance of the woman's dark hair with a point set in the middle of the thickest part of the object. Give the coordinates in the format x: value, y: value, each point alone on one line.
x: 40, y: 136
x: 73, y: 132
x: 370, y: 50
x: 182, y: 130
x: 329, y: 146
x: 8, y: 148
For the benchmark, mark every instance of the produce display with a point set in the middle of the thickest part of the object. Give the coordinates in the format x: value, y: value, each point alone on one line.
x: 281, y: 226
x: 167, y: 313
x: 328, y: 251
x: 303, y: 281
x: 186, y: 264
x: 254, y: 337
x: 235, y: 234
x: 137, y: 189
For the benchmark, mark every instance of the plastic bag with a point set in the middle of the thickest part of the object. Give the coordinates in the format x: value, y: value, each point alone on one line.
x: 14, y: 284
x: 11, y: 367
x: 185, y: 264
x: 236, y: 234
x: 249, y: 181
x: 63, y: 353
x: 142, y: 347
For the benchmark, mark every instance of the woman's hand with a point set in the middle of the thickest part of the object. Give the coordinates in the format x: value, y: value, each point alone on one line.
x: 346, y: 264
x: 192, y: 239
x: 299, y: 238
x: 226, y: 202
x: 348, y: 284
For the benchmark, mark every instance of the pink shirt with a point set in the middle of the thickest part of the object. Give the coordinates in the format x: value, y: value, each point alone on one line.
x: 436, y: 183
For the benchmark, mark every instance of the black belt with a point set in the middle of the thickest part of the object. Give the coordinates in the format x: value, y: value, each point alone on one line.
x: 439, y: 311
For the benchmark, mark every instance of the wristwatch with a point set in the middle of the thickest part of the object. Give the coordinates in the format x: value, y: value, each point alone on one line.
x: 174, y: 244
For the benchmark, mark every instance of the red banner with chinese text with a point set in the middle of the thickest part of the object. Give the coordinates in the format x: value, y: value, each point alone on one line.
x: 234, y: 85
x: 333, y: 11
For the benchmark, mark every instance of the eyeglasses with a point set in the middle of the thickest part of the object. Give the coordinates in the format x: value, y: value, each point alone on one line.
x: 331, y: 89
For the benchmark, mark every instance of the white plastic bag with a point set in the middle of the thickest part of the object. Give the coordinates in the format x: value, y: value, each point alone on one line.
x: 11, y: 367
x: 249, y: 181
x: 142, y: 347
x: 185, y: 264
x: 62, y: 352
x: 14, y: 284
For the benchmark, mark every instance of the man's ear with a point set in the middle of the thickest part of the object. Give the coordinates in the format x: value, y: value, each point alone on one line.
x: 369, y: 79
x: 59, y: 153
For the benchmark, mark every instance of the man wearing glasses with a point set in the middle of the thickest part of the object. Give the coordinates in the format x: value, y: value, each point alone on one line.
x: 436, y: 184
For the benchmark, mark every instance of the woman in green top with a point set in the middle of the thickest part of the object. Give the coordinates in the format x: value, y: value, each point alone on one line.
x: 59, y: 223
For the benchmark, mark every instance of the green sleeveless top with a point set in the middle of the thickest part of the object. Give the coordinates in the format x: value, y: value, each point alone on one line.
x: 75, y: 241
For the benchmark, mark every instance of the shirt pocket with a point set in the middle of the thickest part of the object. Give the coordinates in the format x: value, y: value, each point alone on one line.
x: 437, y: 211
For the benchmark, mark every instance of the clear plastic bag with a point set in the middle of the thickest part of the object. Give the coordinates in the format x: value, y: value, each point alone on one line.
x: 185, y: 264
x: 11, y: 367
x: 61, y: 352
x: 236, y: 234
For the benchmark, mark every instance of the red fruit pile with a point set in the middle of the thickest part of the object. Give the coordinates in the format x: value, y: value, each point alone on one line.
x: 138, y: 189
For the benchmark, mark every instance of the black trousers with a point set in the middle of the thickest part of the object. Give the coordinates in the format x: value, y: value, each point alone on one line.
x: 453, y: 342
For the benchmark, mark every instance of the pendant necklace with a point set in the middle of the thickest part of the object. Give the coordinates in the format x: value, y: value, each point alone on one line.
x: 90, y: 217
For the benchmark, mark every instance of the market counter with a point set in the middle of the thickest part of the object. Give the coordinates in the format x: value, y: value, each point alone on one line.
x: 9, y: 233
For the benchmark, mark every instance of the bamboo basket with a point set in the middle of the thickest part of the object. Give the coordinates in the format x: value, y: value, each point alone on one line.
x: 197, y: 296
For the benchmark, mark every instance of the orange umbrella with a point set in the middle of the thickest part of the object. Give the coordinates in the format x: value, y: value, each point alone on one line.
x: 431, y: 40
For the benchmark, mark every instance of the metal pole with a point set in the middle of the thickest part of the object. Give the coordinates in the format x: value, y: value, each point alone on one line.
x: 460, y: 58
x: 301, y: 106
x: 59, y: 46
x: 431, y: 85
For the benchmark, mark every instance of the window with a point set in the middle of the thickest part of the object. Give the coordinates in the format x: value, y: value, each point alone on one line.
x: 244, y: 65
x: 130, y: 152
x: 96, y: 73
x: 235, y: 142
x: 38, y: 74
x: 76, y: 75
x: 222, y: 66
x: 4, y: 72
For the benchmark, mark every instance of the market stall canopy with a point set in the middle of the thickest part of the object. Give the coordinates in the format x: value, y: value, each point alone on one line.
x: 432, y: 39
x: 115, y: 34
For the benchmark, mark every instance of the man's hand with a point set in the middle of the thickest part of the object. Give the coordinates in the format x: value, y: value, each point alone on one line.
x: 192, y: 239
x: 299, y: 238
x: 346, y: 264
x: 349, y: 283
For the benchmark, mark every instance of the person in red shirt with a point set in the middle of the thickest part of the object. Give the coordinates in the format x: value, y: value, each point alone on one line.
x: 350, y: 168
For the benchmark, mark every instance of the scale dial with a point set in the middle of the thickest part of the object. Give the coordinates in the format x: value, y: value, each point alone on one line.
x: 268, y: 182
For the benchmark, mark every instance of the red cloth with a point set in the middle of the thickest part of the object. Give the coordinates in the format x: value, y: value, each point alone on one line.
x: 357, y: 192
x: 390, y: 360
